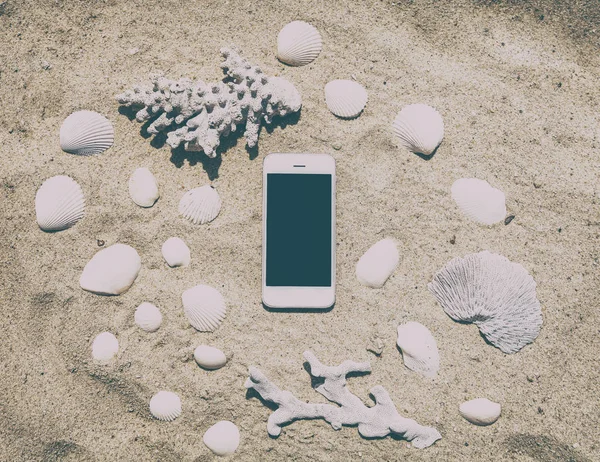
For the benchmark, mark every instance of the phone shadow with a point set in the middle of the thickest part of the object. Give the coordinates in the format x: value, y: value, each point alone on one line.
x: 298, y: 310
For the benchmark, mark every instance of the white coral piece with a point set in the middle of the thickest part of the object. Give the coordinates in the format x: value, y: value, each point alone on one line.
x: 212, y: 111
x: 377, y: 421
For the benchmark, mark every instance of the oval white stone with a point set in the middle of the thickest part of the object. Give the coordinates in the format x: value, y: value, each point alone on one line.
x: 176, y: 252
x: 209, y: 357
x: 378, y: 263
x: 111, y: 271
x: 105, y: 347
x: 143, y: 187
x: 223, y: 438
x: 480, y: 411
x: 148, y: 317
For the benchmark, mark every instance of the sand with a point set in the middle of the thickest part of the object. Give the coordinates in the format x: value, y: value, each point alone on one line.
x: 518, y: 89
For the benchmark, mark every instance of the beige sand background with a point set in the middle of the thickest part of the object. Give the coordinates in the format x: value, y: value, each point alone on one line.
x: 518, y: 89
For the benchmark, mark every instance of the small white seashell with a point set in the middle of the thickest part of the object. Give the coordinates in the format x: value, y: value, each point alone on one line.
x: 345, y: 98
x: 200, y: 205
x: 111, y: 271
x: 378, y: 263
x: 298, y: 44
x: 223, y: 438
x: 209, y: 357
x: 479, y: 201
x: 419, y: 349
x: 148, y: 317
x: 105, y: 346
x: 165, y: 405
x: 85, y: 133
x: 204, y: 307
x: 480, y: 411
x: 419, y: 127
x: 143, y: 187
x: 59, y: 203
x: 176, y: 252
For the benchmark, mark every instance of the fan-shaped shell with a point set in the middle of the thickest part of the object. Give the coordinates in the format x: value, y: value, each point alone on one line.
x: 480, y: 411
x: 209, y: 357
x: 419, y: 128
x: 176, y: 252
x: 86, y: 133
x: 345, y: 98
x: 165, y: 405
x: 59, y: 203
x: 298, y: 44
x: 479, y: 201
x: 419, y: 349
x: 111, y: 271
x: 200, y: 205
x: 105, y: 347
x: 223, y: 438
x: 148, y: 317
x: 493, y: 293
x: 378, y: 263
x: 143, y: 187
x: 204, y: 307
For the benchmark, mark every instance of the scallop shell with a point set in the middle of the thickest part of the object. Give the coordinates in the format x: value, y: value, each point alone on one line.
x: 111, y: 271
x: 200, y: 205
x: 345, y: 98
x: 105, y: 347
x: 143, y: 187
x: 148, y: 317
x: 176, y: 252
x: 209, y: 357
x: 479, y: 201
x: 223, y: 438
x: 298, y: 44
x: 165, y: 405
x: 85, y: 133
x: 59, y: 203
x: 493, y: 293
x: 204, y: 307
x: 419, y: 349
x: 480, y: 411
x: 378, y: 263
x: 419, y: 128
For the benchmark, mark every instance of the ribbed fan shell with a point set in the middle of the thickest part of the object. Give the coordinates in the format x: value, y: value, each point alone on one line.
x: 298, y: 44
x: 345, y: 98
x: 165, y: 405
x: 419, y: 348
x: 86, y: 133
x: 59, y: 203
x: 419, y: 128
x: 204, y: 307
x: 105, y: 347
x: 200, y: 205
x: 479, y: 201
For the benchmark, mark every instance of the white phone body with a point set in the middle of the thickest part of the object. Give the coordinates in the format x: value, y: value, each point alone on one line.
x: 297, y: 236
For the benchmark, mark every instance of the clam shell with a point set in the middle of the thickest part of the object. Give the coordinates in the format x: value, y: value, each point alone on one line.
x: 176, y: 252
x: 298, y: 44
x: 209, y: 357
x: 165, y: 405
x: 223, y: 438
x: 200, y: 205
x: 111, y: 271
x: 419, y: 128
x: 479, y: 201
x: 148, y: 317
x: 204, y: 307
x: 105, y: 347
x: 378, y: 263
x: 143, y: 187
x: 480, y: 411
x: 345, y: 98
x: 419, y: 349
x: 59, y: 203
x: 86, y: 133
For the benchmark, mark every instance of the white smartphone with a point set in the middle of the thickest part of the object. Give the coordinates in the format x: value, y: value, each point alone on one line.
x: 298, y: 231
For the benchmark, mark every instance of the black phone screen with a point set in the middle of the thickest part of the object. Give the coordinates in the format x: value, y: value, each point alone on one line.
x: 298, y: 230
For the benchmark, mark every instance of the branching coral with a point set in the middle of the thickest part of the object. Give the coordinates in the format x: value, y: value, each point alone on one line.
x: 212, y: 111
x: 378, y: 421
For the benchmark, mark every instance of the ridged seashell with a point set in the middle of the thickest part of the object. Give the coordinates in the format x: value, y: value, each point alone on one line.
x: 223, y: 438
x: 176, y: 252
x: 105, y: 347
x: 59, y: 203
x: 165, y: 405
x: 111, y: 271
x: 419, y: 349
x: 204, y: 307
x: 148, y: 317
x: 345, y: 98
x: 85, y: 133
x: 419, y: 128
x: 479, y: 201
x: 298, y: 44
x: 493, y: 293
x: 143, y: 187
x: 480, y: 411
x: 378, y: 263
x: 200, y: 205
x: 209, y: 357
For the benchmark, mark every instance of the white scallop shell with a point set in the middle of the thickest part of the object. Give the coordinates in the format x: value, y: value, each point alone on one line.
x: 105, y: 347
x: 148, y: 317
x: 200, y: 205
x: 419, y: 349
x: 176, y: 252
x: 480, y: 411
x: 345, y: 98
x: 165, y: 405
x: 85, y: 133
x: 298, y: 44
x: 111, y: 271
x: 143, y: 187
x: 479, y: 201
x: 204, y: 307
x: 209, y: 357
x: 493, y: 293
x: 378, y: 263
x: 419, y: 128
x: 59, y: 203
x: 223, y: 438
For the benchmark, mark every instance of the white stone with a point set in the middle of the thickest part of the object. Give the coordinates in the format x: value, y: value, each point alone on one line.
x: 223, y: 438
x: 148, y: 317
x: 105, y: 347
x: 176, y: 252
x: 209, y: 357
x: 378, y: 263
x: 480, y: 411
x: 111, y: 271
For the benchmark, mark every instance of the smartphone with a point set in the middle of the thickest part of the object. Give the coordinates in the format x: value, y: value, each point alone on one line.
x: 298, y: 269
